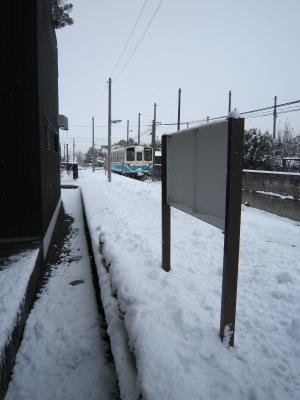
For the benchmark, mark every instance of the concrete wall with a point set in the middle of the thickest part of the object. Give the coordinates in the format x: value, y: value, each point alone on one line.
x: 283, y: 183
x: 276, y: 192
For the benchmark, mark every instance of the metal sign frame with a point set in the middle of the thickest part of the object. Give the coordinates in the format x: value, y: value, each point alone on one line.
x: 232, y: 224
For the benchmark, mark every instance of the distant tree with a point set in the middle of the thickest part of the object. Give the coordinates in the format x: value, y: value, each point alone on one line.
x: 263, y: 152
x: 259, y: 151
x: 286, y: 145
x: 90, y: 154
x: 123, y: 143
x: 60, y: 13
x: 79, y: 156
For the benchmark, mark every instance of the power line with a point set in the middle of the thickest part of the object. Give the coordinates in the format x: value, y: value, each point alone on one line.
x: 139, y: 42
x: 129, y: 38
x: 102, y: 95
x: 291, y: 110
x: 124, y: 48
x: 248, y: 113
x: 259, y: 112
x: 104, y: 126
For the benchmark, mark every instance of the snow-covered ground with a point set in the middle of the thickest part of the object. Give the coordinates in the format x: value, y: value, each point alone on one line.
x: 15, y: 273
x: 62, y: 355
x: 172, y: 319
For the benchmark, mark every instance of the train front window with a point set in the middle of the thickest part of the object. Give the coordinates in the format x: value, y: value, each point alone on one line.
x: 139, y: 156
x: 130, y: 154
x: 147, y: 154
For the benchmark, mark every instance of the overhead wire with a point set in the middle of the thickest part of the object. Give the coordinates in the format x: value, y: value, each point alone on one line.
x: 140, y: 41
x: 123, y: 50
x: 104, y: 126
x: 257, y: 113
x: 129, y: 38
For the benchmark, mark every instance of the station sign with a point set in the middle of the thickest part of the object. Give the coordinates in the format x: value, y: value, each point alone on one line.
x: 202, y: 176
x: 197, y: 172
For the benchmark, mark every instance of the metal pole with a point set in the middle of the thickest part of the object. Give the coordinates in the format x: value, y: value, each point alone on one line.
x: 179, y: 109
x: 165, y: 211
x: 274, y: 117
x: 229, y: 103
x: 64, y: 152
x: 109, y: 132
x: 67, y: 146
x: 73, y: 149
x: 93, y: 142
x: 139, y: 129
x: 153, y: 141
x: 153, y: 148
x: 127, y: 133
x: 232, y: 228
x: 207, y: 119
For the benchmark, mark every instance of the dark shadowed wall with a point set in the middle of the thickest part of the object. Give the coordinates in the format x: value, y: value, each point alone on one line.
x: 29, y: 159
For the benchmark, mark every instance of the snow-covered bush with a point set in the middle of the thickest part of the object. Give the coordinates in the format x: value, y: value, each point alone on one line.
x: 262, y: 151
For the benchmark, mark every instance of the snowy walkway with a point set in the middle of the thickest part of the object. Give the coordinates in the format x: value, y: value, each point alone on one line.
x: 15, y: 274
x: 172, y: 319
x: 62, y: 355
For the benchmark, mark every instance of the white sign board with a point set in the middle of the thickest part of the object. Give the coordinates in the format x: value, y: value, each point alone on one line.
x: 197, y: 171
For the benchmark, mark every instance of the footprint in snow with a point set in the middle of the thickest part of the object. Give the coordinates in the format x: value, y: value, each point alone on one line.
x: 284, y: 277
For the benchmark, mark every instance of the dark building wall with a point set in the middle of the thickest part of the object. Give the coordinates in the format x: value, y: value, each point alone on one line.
x: 29, y: 171
x: 48, y: 111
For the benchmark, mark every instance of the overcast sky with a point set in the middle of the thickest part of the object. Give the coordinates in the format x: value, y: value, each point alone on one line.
x: 206, y: 48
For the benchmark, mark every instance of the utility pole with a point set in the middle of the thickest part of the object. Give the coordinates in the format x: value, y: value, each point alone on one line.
x: 229, y: 102
x: 153, y: 148
x: 73, y: 149
x: 207, y: 119
x: 67, y: 146
x: 93, y: 142
x: 109, y: 131
x: 274, y: 117
x: 127, y: 133
x: 153, y: 140
x: 139, y: 129
x: 179, y: 109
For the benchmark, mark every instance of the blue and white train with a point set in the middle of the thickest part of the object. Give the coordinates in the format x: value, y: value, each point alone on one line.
x: 135, y: 161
